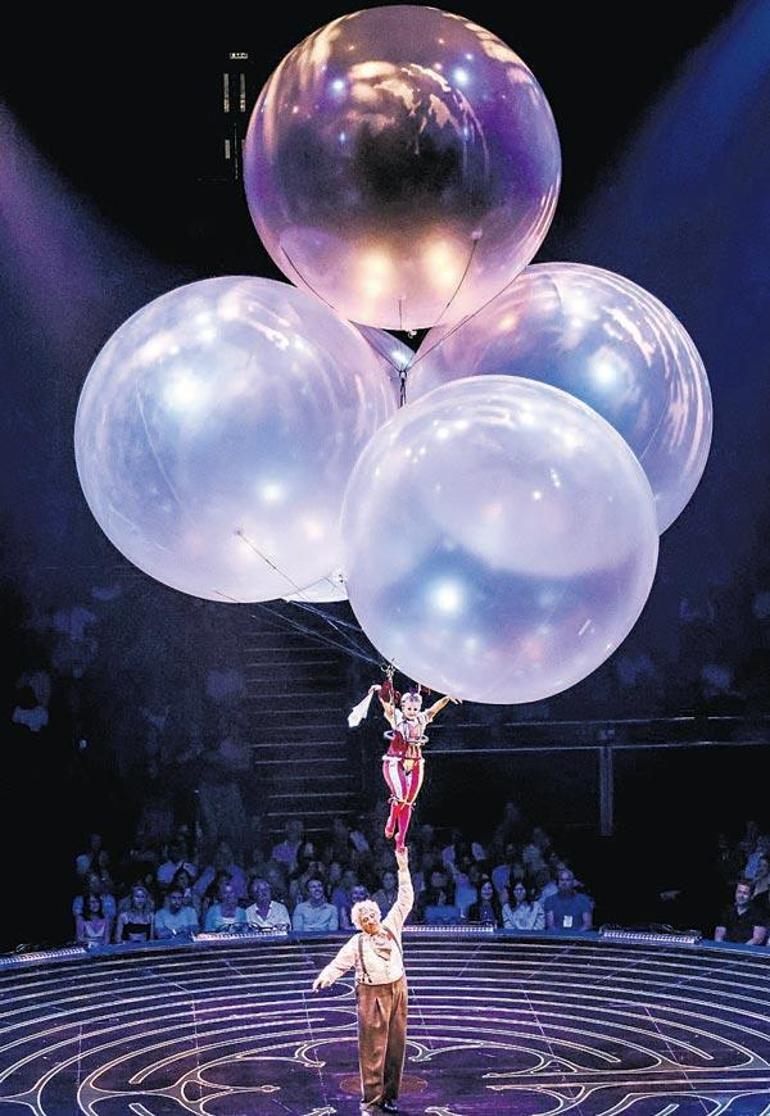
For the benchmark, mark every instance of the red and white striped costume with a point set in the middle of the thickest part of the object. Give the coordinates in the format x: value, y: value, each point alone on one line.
x: 403, y: 769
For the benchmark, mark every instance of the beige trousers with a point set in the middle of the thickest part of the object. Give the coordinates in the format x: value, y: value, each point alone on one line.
x: 381, y: 1039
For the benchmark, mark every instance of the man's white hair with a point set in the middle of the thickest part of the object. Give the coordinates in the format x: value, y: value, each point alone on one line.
x: 365, y: 907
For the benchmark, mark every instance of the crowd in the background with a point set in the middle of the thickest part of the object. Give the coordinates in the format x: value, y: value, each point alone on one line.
x: 310, y: 882
x: 518, y: 881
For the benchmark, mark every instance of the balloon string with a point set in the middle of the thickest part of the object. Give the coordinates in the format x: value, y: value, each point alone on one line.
x: 347, y: 649
x: 463, y: 277
x: 396, y: 366
x: 419, y: 355
x: 242, y: 535
x: 350, y: 647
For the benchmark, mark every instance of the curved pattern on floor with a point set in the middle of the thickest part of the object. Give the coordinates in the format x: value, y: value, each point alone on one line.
x: 497, y: 1025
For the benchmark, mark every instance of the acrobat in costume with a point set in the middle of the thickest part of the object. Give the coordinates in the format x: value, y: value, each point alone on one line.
x: 403, y: 765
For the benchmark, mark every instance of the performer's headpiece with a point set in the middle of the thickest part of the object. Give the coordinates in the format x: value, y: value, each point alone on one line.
x: 412, y: 695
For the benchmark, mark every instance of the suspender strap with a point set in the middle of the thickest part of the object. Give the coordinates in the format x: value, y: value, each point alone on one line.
x: 366, y: 978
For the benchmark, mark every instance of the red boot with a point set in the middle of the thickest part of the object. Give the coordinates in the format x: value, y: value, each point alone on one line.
x: 404, y: 817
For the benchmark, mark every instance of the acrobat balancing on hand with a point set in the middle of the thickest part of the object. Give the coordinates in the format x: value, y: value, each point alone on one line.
x: 403, y: 765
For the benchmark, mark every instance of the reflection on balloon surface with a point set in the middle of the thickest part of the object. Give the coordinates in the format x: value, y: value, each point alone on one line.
x: 500, y: 540
x: 605, y: 340
x: 403, y: 164
x: 216, y: 432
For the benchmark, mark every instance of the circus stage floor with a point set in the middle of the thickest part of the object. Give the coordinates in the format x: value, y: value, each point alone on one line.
x: 497, y: 1025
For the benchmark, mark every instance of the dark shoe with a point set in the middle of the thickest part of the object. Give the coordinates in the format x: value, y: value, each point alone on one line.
x: 389, y: 1106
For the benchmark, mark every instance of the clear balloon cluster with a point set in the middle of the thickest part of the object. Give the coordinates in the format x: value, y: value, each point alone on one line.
x: 241, y: 440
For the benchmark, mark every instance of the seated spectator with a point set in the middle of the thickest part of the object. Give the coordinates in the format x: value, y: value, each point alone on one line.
x: 358, y: 895
x: 342, y: 895
x: 177, y: 858
x: 501, y: 874
x: 94, y: 887
x: 742, y: 921
x: 442, y: 915
x: 148, y: 883
x: 183, y: 882
x: 226, y: 914
x: 545, y: 885
x: 333, y: 878
x: 438, y: 893
x: 265, y: 913
x: 92, y: 927
x: 466, y: 881
x: 286, y: 851
x: 568, y: 909
x: 142, y: 858
x: 487, y: 910
x: 523, y: 912
x: 174, y: 919
x: 388, y: 893
x: 135, y: 922
x: 223, y: 861
x: 306, y: 869
x: 315, y: 914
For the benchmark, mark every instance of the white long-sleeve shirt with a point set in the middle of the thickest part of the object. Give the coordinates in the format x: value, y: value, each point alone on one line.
x: 382, y: 956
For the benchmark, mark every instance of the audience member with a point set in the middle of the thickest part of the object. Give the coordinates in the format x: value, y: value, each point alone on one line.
x: 487, y: 910
x: 286, y: 851
x: 265, y: 913
x: 177, y: 859
x: 183, y: 882
x: 388, y: 893
x: 523, y: 912
x: 223, y: 861
x: 742, y: 920
x: 568, y: 909
x: 94, y: 887
x: 135, y: 922
x: 227, y: 913
x: 358, y: 895
x: 92, y: 927
x: 175, y: 919
x: 315, y: 914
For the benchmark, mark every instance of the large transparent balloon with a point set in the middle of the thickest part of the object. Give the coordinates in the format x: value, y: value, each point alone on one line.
x: 500, y: 540
x: 608, y: 342
x: 216, y: 432
x: 403, y: 164
x: 394, y: 358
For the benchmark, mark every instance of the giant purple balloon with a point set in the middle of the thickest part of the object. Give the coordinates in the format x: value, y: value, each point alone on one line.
x: 216, y: 432
x: 500, y: 540
x: 403, y: 164
x: 605, y: 340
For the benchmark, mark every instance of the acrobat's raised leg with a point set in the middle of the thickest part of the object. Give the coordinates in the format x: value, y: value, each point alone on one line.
x: 404, y: 786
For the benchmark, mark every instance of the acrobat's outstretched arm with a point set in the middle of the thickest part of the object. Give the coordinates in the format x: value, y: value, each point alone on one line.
x: 387, y: 703
x: 441, y: 704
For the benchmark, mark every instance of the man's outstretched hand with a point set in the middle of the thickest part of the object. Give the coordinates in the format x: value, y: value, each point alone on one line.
x: 321, y: 982
x: 402, y: 858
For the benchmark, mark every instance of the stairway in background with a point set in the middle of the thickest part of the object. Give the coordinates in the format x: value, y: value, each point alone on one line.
x: 305, y: 763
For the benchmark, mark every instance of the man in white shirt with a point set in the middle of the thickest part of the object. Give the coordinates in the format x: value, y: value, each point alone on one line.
x: 381, y: 993
x: 266, y: 913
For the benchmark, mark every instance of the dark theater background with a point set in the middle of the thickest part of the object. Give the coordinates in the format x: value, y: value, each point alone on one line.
x: 161, y: 710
